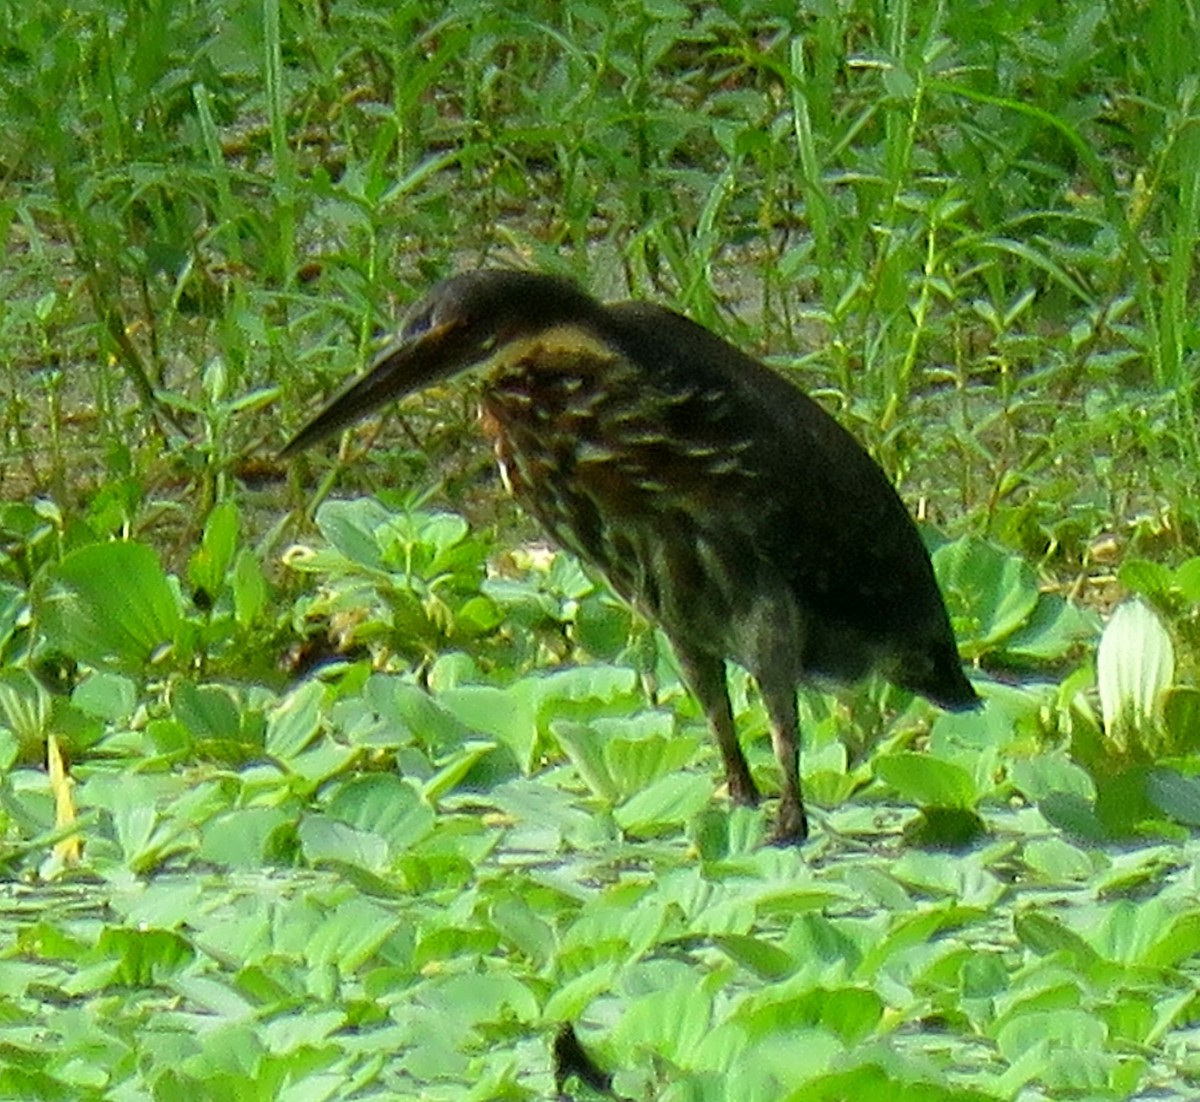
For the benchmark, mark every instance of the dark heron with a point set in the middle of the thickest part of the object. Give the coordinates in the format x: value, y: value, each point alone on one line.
x: 712, y: 494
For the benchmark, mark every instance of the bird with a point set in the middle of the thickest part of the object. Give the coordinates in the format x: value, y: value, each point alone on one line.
x: 712, y: 493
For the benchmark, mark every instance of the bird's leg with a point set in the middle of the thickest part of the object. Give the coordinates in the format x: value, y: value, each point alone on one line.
x: 705, y: 676
x: 779, y: 696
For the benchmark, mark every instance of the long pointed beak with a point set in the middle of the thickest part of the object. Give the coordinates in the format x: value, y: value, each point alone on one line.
x: 402, y: 369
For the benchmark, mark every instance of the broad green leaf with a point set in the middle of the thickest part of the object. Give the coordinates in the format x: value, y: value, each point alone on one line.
x: 570, y: 999
x: 1175, y: 941
x: 1151, y: 579
x: 872, y: 1080
x: 207, y: 711
x: 508, y: 714
x: 1056, y: 861
x: 928, y: 781
x: 347, y: 937
x: 1181, y: 719
x: 241, y: 839
x: 1074, y: 813
x: 851, y: 1013
x: 1071, y: 1044
x: 25, y: 708
x: 213, y: 558
x: 1053, y: 630
x: 990, y: 592
x: 585, y: 748
x: 352, y: 528
x: 915, y: 929
x: 1187, y: 579
x: 765, y: 960
x: 249, y: 588
x: 433, y: 724
x: 108, y: 605
x: 602, y: 626
x: 12, y: 606
x: 945, y: 828
x: 295, y: 721
x: 672, y: 1020
x: 1175, y: 795
x: 105, y: 695
x: 667, y: 804
x: 1045, y: 934
x: 585, y: 693
x: 144, y: 956
x: 384, y: 804
x: 1039, y: 777
x: 289, y: 1033
x: 455, y: 767
x: 478, y: 999
x: 1122, y: 803
x: 636, y: 763
x: 520, y: 925
x: 324, y: 838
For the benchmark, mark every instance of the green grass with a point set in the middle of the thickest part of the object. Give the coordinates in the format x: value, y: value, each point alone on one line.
x: 373, y: 798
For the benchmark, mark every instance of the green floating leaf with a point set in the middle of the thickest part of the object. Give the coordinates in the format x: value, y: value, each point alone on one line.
x: 671, y: 1021
x: 1045, y: 935
x: 508, y: 714
x: 602, y: 626
x: 1062, y: 1028
x: 851, y: 1013
x: 323, y: 839
x: 635, y: 763
x: 1176, y: 796
x: 12, y: 606
x: 1187, y: 579
x: 1176, y: 941
x: 1075, y: 814
x: 385, y: 804
x: 243, y: 838
x: 212, y: 559
x: 946, y: 828
x: 1181, y: 719
x: 207, y: 711
x: 1057, y: 861
x: 585, y: 693
x: 928, y: 781
x: 1122, y: 802
x: 108, y: 605
x: 765, y: 960
x: 24, y: 707
x: 873, y: 1081
x: 1143, y: 576
x: 990, y: 592
x: 144, y: 956
x: 295, y: 721
x: 519, y: 924
x: 586, y: 750
x: 668, y: 803
x: 249, y: 588
x: 457, y: 765
x: 350, y: 935
x: 1134, y: 664
x: 104, y: 695
x: 352, y: 527
x: 1054, y: 629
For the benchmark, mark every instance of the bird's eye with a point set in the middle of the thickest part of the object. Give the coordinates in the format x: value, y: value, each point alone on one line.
x: 419, y: 323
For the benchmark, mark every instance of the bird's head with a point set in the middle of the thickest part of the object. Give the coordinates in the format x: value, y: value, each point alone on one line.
x: 462, y: 322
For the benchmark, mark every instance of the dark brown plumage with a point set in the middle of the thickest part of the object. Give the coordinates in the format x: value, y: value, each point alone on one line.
x: 712, y: 494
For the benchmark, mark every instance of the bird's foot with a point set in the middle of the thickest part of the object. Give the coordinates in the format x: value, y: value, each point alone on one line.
x: 791, y: 828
